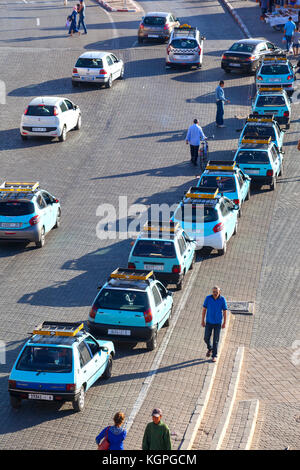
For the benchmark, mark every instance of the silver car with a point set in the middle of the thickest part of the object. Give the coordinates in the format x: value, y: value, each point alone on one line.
x: 185, y: 47
x: 97, y: 67
x: 157, y: 25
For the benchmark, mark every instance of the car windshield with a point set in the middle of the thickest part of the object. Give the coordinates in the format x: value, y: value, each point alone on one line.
x: 195, y: 213
x: 89, y: 63
x: 154, y: 248
x: 117, y: 299
x: 45, y: 359
x: 259, y: 132
x: 40, y: 110
x: 275, y: 69
x: 271, y: 101
x: 226, y: 184
x: 252, y: 156
x: 184, y: 43
x: 15, y: 208
x: 154, y: 21
x: 242, y: 47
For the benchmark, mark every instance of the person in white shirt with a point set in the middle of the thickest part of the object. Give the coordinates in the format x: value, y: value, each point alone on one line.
x: 194, y: 136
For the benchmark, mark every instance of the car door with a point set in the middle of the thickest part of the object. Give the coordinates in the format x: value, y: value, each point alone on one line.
x: 44, y: 213
x: 111, y: 66
x: 229, y: 218
x: 159, y: 307
x: 72, y: 113
x: 65, y: 116
x: 167, y: 302
x: 51, y: 211
x: 87, y: 369
x: 116, y: 65
x: 99, y: 357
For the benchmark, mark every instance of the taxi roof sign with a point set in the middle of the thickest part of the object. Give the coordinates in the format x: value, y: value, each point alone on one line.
x: 50, y: 328
x: 13, y: 186
x: 256, y: 141
x: 275, y: 57
x: 159, y: 226
x: 270, y: 88
x: 131, y: 274
x: 202, y: 193
x: 260, y: 118
x: 221, y: 165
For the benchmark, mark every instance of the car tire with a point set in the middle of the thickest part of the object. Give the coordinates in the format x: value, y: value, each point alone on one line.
x: 41, y: 241
x: 224, y: 249
x: 24, y: 137
x: 140, y: 40
x: 152, y: 344
x: 273, y: 184
x: 108, y: 84
x: 281, y: 171
x: 287, y: 126
x: 15, y: 402
x: 168, y: 321
x: 226, y: 70
x: 248, y: 195
x: 180, y: 283
x: 240, y: 212
x: 63, y: 136
x: 75, y: 84
x: 235, y: 228
x: 58, y: 219
x: 121, y: 77
x: 193, y: 262
x: 78, y: 403
x: 108, y: 370
x: 78, y: 125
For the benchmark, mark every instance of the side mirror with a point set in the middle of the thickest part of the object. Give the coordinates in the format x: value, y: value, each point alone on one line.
x: 99, y: 287
x: 203, y: 38
x: 104, y: 348
x: 132, y: 243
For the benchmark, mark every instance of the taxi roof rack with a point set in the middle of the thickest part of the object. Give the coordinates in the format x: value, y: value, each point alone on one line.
x: 54, y: 328
x: 275, y: 57
x: 196, y: 192
x: 265, y: 88
x: 132, y: 274
x: 221, y: 165
x: 256, y: 141
x: 260, y: 118
x: 161, y: 226
x: 13, y: 186
x: 183, y: 29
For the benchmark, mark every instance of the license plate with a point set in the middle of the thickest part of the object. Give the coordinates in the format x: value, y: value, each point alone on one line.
x: 119, y: 332
x: 252, y: 172
x: 183, y: 57
x: 153, y: 36
x: 154, y: 267
x: 39, y: 129
x: 10, y: 225
x: 39, y: 396
x: 234, y: 65
x: 276, y: 80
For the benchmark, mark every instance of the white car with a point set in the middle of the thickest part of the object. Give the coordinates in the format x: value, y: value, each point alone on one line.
x: 97, y: 67
x: 50, y: 116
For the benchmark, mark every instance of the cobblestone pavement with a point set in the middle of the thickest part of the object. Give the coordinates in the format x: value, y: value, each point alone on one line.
x: 145, y: 115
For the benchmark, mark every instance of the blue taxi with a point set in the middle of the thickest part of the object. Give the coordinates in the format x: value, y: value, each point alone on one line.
x: 261, y: 160
x: 262, y: 127
x: 59, y: 363
x: 208, y: 217
x: 27, y: 212
x: 229, y: 179
x: 164, y: 248
x: 132, y: 306
x: 273, y: 101
x: 277, y: 70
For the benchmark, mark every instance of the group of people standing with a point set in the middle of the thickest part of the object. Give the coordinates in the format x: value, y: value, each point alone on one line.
x: 77, y: 13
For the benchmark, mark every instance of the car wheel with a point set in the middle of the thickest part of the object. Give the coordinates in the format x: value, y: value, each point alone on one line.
x: 287, y: 125
x: 180, y: 283
x: 78, y: 125
x: 24, y: 137
x: 281, y: 170
x: 248, y: 195
x: 75, y: 84
x: 63, y: 136
x: 140, y: 40
x: 193, y: 262
x: 152, y: 344
x: 168, y: 321
x: 41, y: 241
x: 240, y: 213
x: 58, y: 219
x: 273, y: 184
x: 108, y: 371
x: 224, y: 249
x: 121, y: 73
x: 235, y: 228
x: 78, y: 403
x: 226, y: 70
x: 108, y: 84
x: 15, y: 402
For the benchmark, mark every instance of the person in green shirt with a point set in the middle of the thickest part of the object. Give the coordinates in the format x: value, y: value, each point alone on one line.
x: 157, y: 434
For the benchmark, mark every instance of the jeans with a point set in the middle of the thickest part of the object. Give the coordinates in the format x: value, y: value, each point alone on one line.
x: 215, y: 329
x: 288, y: 42
x: 194, y: 152
x: 220, y: 113
x: 82, y: 22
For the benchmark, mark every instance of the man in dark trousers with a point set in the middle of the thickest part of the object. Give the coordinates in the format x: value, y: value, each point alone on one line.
x: 157, y: 434
x: 194, y: 136
x: 220, y: 100
x: 215, y: 311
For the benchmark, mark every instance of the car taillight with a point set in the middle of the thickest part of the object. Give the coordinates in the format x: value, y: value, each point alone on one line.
x: 259, y: 77
x: 12, y: 384
x: 224, y: 57
x: 131, y: 266
x: 148, y: 315
x: 176, y: 269
x: 169, y: 48
x: 34, y: 220
x: 219, y: 227
x: 270, y: 173
x: 199, y: 50
x: 75, y: 70
x: 167, y: 26
x: 55, y: 112
x: 142, y: 26
x: 102, y: 72
x: 93, y: 312
x: 236, y: 201
x: 70, y: 387
x: 289, y: 77
x: 251, y: 58
x: 286, y: 113
x: 26, y: 110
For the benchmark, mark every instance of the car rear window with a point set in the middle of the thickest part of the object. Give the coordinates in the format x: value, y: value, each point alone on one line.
x: 184, y: 43
x: 154, y: 21
x: 226, y: 184
x: 242, y: 47
x: 259, y: 132
x: 276, y: 69
x: 40, y: 110
x: 154, y: 248
x: 271, y: 101
x: 45, y: 359
x: 252, y: 156
x: 117, y: 299
x: 193, y: 213
x: 15, y: 208
x: 89, y: 63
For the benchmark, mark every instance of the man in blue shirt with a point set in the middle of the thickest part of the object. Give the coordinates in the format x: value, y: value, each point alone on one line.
x: 194, y: 136
x: 215, y: 311
x: 289, y: 30
x: 220, y: 100
x: 82, y: 17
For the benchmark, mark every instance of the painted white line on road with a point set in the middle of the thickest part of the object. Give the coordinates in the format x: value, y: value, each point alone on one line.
x: 160, y: 353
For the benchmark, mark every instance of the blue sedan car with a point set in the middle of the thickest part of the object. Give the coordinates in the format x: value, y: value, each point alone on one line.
x: 261, y: 128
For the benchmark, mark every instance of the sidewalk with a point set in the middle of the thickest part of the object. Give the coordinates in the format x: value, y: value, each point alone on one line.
x: 120, y: 5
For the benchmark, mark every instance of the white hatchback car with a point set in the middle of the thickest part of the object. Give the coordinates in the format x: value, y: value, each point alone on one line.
x: 50, y: 116
x: 97, y: 67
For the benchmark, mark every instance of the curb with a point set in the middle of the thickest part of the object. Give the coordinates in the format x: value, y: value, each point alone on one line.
x: 230, y: 400
x: 107, y: 7
x: 202, y: 402
x: 250, y: 425
x: 236, y: 18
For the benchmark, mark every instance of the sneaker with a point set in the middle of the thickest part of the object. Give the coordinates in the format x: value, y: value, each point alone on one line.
x: 214, y: 359
x: 208, y: 352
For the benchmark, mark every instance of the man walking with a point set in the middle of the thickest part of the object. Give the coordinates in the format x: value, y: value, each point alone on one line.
x: 289, y: 30
x: 82, y: 16
x: 220, y: 100
x: 157, y: 434
x: 215, y: 310
x: 194, y: 136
